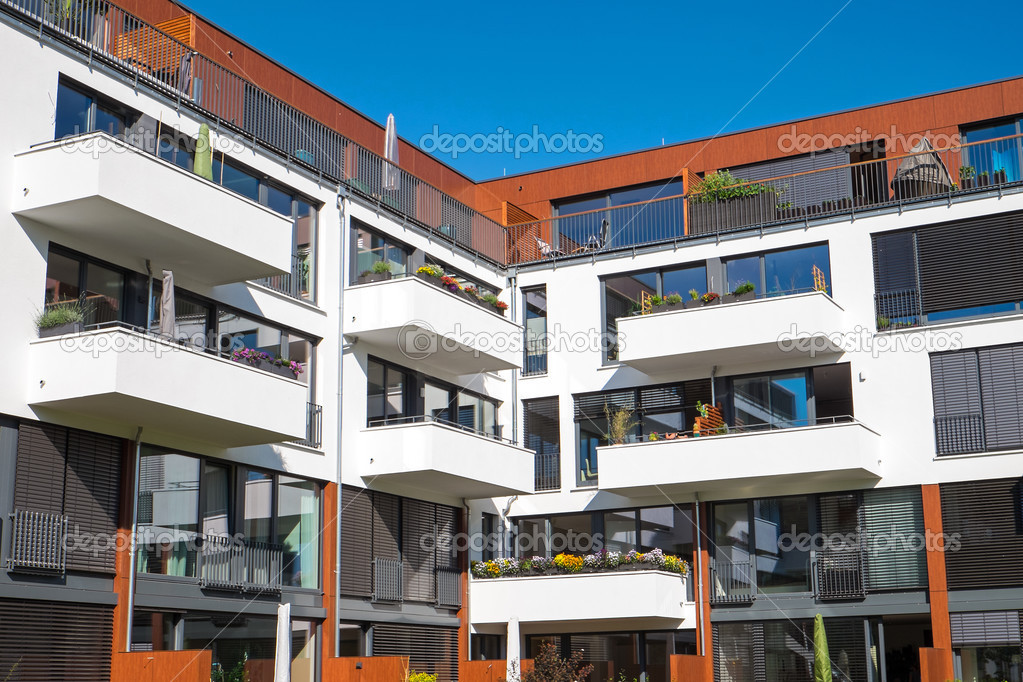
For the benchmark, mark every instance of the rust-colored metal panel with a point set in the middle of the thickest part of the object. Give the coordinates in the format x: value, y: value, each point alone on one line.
x: 936, y: 665
x: 370, y: 669
x: 159, y: 666
x: 941, y: 659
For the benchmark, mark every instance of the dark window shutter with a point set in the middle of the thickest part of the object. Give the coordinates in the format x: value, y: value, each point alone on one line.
x: 893, y: 520
x: 44, y: 641
x: 447, y: 528
x: 660, y: 398
x: 591, y: 405
x: 432, y: 650
x: 804, y: 190
x: 896, y: 280
x: 846, y: 647
x: 972, y: 262
x: 356, y: 536
x: 419, y: 556
x: 734, y: 651
x: 984, y: 516
x: 543, y: 436
x: 789, y: 644
x: 1001, y: 385
x: 39, y: 481
x: 958, y: 419
x: 386, y: 529
x: 91, y: 499
x: 985, y: 628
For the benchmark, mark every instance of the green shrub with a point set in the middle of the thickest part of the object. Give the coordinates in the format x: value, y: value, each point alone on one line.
x: 62, y: 312
x: 744, y: 288
x: 672, y: 298
x: 380, y: 267
x: 722, y: 186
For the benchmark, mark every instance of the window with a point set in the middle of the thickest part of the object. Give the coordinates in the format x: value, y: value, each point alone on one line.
x: 985, y: 516
x: 99, y: 287
x: 461, y: 278
x: 779, y: 273
x: 669, y: 529
x: 385, y: 394
x: 926, y: 275
x: 535, y: 329
x: 993, y: 159
x: 178, y: 149
x: 655, y: 409
x: 371, y: 247
x: 743, y: 529
x: 620, y: 655
x: 235, y: 178
x: 778, y: 400
x: 180, y: 511
x: 977, y: 405
x: 79, y: 111
x: 542, y: 435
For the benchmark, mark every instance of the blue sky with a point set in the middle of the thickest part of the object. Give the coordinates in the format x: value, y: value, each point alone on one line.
x: 633, y: 74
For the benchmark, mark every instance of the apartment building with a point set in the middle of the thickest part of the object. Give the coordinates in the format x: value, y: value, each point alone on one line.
x: 447, y: 422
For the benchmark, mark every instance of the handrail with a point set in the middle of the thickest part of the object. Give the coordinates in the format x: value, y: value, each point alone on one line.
x: 426, y: 418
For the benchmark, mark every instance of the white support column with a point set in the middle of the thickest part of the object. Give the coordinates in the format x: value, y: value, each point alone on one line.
x: 514, y: 651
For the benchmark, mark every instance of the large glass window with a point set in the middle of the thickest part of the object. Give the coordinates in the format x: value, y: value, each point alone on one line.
x: 771, y: 400
x: 236, y: 179
x: 258, y: 509
x: 623, y: 296
x: 78, y: 112
x: 372, y: 247
x: 620, y: 531
x: 385, y: 393
x: 535, y: 323
x: 781, y: 566
x: 669, y: 529
x: 993, y: 160
x: 780, y: 273
x: 298, y: 530
x: 99, y: 288
x: 168, y: 516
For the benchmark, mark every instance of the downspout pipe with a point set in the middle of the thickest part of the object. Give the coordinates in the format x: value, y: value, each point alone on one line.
x: 699, y: 578
x: 132, y: 549
x: 342, y: 237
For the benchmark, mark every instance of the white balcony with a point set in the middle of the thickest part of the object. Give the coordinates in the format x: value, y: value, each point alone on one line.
x: 127, y: 378
x: 634, y: 600
x: 413, y: 321
x: 795, y: 458
x: 131, y: 205
x: 432, y: 457
x: 761, y: 330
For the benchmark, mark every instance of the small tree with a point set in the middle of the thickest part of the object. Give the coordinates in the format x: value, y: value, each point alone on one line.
x: 619, y: 424
x: 549, y: 666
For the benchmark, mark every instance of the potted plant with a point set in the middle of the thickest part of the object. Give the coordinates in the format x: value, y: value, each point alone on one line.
x: 787, y: 211
x: 430, y: 273
x: 828, y: 205
x: 984, y: 179
x: 673, y: 301
x: 62, y: 317
x: 268, y: 363
x: 745, y: 292
x: 710, y: 298
x: 694, y: 299
x: 966, y: 176
x: 380, y: 272
x: 844, y: 204
x: 656, y: 302
x: 495, y: 303
x: 1000, y: 176
x: 722, y: 202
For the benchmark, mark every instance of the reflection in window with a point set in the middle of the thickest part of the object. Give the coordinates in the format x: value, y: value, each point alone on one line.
x: 235, y: 179
x: 669, y: 529
x: 385, y: 393
x: 78, y: 112
x: 992, y: 156
x: 781, y: 566
x: 258, y: 509
x: 620, y: 531
x: 779, y: 273
x: 298, y: 529
x: 216, y: 519
x: 535, y: 323
x: 771, y: 400
x: 372, y: 247
x: 623, y: 297
x: 168, y: 516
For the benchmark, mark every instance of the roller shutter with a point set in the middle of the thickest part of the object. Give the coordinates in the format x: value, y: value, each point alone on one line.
x: 985, y: 518
x: 356, y: 536
x: 47, y: 641
x: 894, y: 523
x: 431, y: 650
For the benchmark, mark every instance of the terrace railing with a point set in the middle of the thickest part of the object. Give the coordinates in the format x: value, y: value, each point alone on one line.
x: 109, y: 34
x: 732, y: 582
x: 228, y: 564
x: 838, y: 573
x: 38, y: 542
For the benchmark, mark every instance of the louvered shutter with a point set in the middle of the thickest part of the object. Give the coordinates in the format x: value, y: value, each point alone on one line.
x: 847, y: 648
x: 985, y: 628
x: 896, y: 277
x: 39, y: 478
x: 91, y: 499
x: 1001, y: 385
x: 430, y: 649
x: 44, y: 641
x: 972, y: 262
x: 419, y: 555
x: 804, y: 190
x: 386, y: 531
x: 356, y: 536
x: 543, y: 436
x: 591, y: 405
x: 893, y: 520
x: 839, y: 515
x: 660, y: 398
x: 984, y: 517
x: 958, y: 416
x: 447, y: 528
x: 733, y: 651
x: 788, y: 650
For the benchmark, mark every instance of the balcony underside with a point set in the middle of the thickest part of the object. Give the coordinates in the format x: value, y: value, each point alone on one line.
x: 129, y: 205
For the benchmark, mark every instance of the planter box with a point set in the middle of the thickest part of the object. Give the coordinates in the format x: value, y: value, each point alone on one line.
x: 693, y: 304
x: 368, y: 277
x: 983, y: 180
x: 748, y: 296
x: 966, y: 183
x: 721, y: 216
x: 727, y: 298
x: 666, y: 307
x: 716, y: 301
x: 61, y: 330
x: 279, y: 370
x: 1000, y: 177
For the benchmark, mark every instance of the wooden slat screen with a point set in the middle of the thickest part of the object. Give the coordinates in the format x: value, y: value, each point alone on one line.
x: 430, y: 649
x: 39, y: 481
x: 356, y: 537
x: 92, y: 499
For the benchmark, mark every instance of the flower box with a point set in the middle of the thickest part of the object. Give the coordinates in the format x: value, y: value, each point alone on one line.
x: 369, y: 277
x: 61, y: 330
x: 267, y: 363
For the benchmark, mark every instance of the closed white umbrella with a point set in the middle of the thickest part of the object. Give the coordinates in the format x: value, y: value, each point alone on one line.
x: 282, y: 657
x: 391, y: 154
x: 167, y: 313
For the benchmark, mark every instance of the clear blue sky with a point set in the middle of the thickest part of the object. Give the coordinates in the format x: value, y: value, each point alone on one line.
x: 633, y: 73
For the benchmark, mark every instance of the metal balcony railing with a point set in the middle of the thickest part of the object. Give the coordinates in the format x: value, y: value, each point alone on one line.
x: 107, y: 33
x: 898, y: 309
x: 959, y: 434
x: 387, y: 580
x: 295, y: 283
x: 449, y: 588
x: 38, y: 542
x: 732, y: 582
x: 313, y: 426
x: 226, y: 563
x: 547, y: 471
x: 838, y: 573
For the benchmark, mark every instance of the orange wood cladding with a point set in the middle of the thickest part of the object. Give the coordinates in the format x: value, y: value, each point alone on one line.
x: 685, y: 668
x: 936, y: 665
x: 371, y: 669
x: 160, y: 666
x: 329, y: 536
x: 122, y: 559
x: 489, y: 671
x: 940, y: 657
